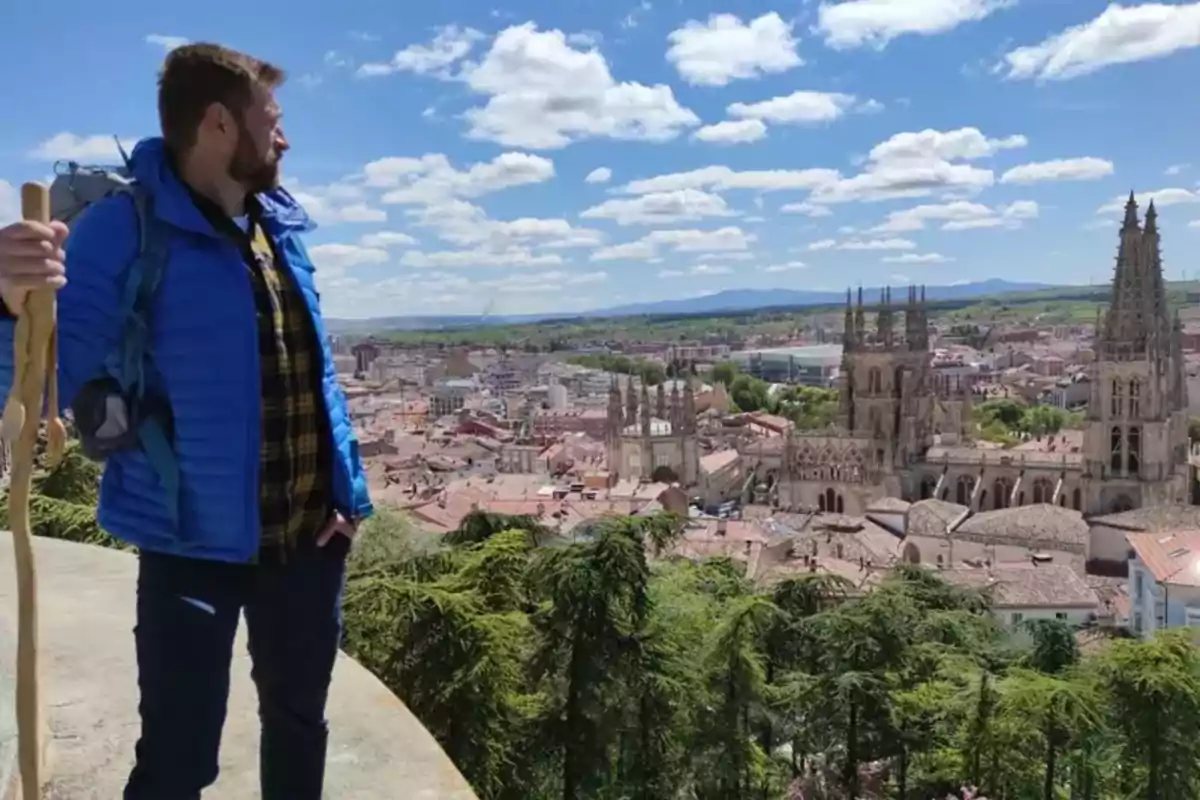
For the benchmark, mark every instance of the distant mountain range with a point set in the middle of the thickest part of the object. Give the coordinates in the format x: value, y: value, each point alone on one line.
x: 727, y: 300
x: 750, y: 299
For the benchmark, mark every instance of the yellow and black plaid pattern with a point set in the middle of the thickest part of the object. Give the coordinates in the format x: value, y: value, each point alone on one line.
x: 295, y: 486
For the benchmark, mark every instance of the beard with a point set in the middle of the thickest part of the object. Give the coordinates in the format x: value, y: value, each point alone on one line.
x: 256, y: 171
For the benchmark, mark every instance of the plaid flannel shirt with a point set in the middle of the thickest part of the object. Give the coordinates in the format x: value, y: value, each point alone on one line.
x: 295, y: 486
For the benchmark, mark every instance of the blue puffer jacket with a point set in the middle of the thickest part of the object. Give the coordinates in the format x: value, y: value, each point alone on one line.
x: 205, y: 340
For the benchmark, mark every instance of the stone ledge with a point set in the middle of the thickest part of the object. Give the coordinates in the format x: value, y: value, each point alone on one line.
x: 377, y: 748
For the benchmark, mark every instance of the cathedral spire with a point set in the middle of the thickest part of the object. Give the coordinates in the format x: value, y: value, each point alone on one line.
x: 1156, y: 317
x: 631, y: 402
x: 923, y: 316
x: 1131, y: 218
x: 645, y: 409
x: 689, y: 407
x: 860, y: 321
x: 848, y: 338
x: 660, y: 405
x: 676, y: 408
x: 884, y: 320
x: 1178, y: 365
x: 1125, y: 327
x: 615, y: 421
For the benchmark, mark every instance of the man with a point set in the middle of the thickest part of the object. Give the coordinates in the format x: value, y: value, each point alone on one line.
x: 271, y: 487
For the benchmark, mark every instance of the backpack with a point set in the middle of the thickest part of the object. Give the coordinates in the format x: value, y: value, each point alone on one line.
x: 118, y: 410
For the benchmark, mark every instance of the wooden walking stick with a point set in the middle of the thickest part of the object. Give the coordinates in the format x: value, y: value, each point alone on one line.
x: 33, y: 364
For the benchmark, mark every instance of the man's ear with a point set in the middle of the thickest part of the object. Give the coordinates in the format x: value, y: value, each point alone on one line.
x: 216, y: 119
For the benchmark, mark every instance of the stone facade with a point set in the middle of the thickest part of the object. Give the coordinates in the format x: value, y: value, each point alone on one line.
x: 654, y: 440
x: 905, y: 433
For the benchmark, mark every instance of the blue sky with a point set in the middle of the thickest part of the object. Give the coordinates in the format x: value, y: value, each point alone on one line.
x: 535, y: 156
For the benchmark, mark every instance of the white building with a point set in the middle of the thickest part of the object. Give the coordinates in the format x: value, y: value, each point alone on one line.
x: 557, y: 396
x: 1164, y: 581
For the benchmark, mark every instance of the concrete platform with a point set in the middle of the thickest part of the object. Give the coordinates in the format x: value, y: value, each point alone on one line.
x: 378, y: 750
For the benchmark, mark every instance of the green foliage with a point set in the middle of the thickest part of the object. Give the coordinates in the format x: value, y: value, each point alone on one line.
x: 808, y: 407
x: 650, y: 372
x: 1004, y: 420
x: 62, y: 504
x: 724, y: 373
x: 749, y: 394
x: 581, y: 671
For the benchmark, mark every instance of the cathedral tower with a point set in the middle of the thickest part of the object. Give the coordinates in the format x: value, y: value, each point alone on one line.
x: 615, y: 424
x: 1135, y: 444
x: 885, y: 386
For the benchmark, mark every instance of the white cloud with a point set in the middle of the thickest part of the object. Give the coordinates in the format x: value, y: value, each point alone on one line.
x: 911, y: 164
x: 543, y: 93
x: 10, y: 203
x: 863, y: 244
x: 739, y: 131
x: 963, y: 144
x: 802, y: 107
x: 807, y: 209
x: 958, y: 215
x: 336, y: 203
x: 719, y: 179
x: 553, y: 281
x: 790, y: 266
x: 339, y: 257
x: 1161, y: 197
x: 730, y: 256
x: 480, y: 257
x: 1063, y: 169
x: 726, y: 49
x: 599, y: 175
x: 698, y: 271
x: 874, y: 23
x: 917, y: 258
x: 660, y: 208
x: 1194, y: 223
x: 387, y: 239
x: 84, y: 149
x: 167, y: 43
x: 914, y: 219
x: 450, y: 45
x: 466, y: 225
x: 1119, y: 35
x: 1175, y: 169
x: 1010, y: 216
x: 681, y: 241
x: 711, y: 269
x: 432, y: 177
x: 916, y: 164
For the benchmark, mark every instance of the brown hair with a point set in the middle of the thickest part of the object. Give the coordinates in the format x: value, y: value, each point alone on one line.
x: 197, y: 75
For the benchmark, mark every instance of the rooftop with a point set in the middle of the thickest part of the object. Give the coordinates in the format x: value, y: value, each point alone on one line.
x: 1171, y: 557
x: 1028, y: 585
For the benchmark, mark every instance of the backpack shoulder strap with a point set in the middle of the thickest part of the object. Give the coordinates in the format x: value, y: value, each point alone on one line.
x: 142, y: 279
x: 132, y: 356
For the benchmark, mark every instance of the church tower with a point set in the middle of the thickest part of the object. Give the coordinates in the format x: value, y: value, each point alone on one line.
x: 615, y: 424
x: 885, y: 386
x: 1135, y: 444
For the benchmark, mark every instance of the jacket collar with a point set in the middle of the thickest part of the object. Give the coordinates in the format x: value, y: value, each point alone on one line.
x: 150, y: 165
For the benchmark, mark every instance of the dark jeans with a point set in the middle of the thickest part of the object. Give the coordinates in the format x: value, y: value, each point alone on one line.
x: 187, y: 616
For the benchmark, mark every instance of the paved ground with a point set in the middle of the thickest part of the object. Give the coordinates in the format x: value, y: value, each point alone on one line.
x: 378, y: 750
